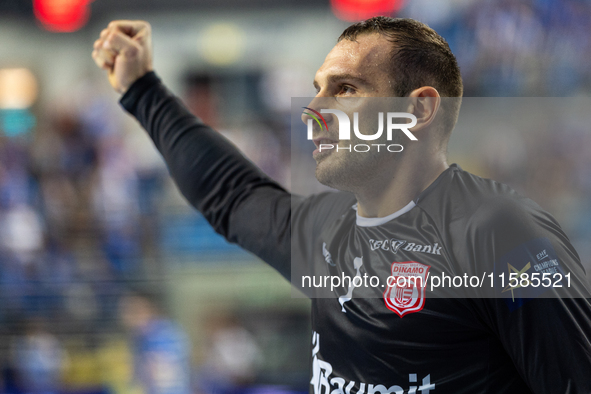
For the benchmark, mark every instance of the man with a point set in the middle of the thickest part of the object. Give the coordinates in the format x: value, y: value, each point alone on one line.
x: 161, y: 350
x: 397, y: 213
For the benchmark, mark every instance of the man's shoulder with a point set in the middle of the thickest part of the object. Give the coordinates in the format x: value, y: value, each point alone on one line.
x: 466, y: 207
x: 463, y: 196
x: 480, y: 220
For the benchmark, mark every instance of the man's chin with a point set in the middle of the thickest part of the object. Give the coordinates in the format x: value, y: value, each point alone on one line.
x: 322, y: 173
x: 328, y: 175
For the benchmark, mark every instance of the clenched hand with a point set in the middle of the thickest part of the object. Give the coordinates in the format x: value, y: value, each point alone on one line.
x: 124, y: 49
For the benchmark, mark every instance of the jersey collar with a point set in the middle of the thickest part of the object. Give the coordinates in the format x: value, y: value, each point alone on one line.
x: 371, y: 222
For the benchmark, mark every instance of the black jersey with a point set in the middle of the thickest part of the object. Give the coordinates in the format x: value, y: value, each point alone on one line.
x: 380, y: 338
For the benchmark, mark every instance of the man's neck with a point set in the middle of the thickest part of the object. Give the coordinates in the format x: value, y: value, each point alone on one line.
x: 398, y: 188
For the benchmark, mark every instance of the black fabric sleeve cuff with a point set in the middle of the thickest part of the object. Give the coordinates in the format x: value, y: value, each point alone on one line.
x: 131, y: 98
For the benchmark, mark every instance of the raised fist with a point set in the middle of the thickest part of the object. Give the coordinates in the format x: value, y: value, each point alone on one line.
x: 124, y: 49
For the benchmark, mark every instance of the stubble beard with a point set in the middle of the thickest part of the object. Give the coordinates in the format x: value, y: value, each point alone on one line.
x: 355, y: 171
x: 358, y: 171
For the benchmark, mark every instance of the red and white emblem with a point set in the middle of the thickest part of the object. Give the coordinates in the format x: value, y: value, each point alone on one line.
x: 406, y: 287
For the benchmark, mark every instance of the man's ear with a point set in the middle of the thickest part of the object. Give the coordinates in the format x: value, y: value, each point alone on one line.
x: 424, y: 104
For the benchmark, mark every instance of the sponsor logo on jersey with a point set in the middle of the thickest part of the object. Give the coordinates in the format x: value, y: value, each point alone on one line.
x: 324, y: 382
x: 394, y: 245
x: 406, y: 287
x: 432, y: 249
x: 357, y: 263
x: 327, y: 256
x: 390, y: 244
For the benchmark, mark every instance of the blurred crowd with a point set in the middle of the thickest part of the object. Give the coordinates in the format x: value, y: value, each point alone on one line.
x: 77, y: 222
x: 515, y: 47
x: 86, y: 206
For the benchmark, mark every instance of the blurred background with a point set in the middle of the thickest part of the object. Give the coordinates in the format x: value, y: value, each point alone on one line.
x: 110, y: 283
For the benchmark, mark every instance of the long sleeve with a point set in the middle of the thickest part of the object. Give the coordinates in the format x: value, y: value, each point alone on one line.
x: 238, y: 200
x: 545, y: 330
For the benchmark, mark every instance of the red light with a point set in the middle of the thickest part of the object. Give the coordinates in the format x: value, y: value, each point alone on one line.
x: 356, y: 10
x: 62, y: 15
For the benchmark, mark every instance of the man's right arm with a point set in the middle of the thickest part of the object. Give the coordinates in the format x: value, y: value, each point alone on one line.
x: 237, y: 199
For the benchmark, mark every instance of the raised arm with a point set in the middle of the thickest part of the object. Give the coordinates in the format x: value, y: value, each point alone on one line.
x: 238, y: 200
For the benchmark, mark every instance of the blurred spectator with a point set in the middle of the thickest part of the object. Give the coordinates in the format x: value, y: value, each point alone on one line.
x: 232, y: 357
x: 115, y: 206
x: 38, y: 357
x: 160, y: 347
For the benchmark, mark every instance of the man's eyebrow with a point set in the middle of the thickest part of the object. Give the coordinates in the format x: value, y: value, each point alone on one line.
x: 342, y: 77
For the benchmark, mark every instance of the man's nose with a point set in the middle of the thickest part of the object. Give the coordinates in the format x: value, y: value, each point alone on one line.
x: 313, y: 111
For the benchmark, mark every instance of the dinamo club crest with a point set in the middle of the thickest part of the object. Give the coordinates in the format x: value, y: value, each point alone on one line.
x: 406, y: 287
